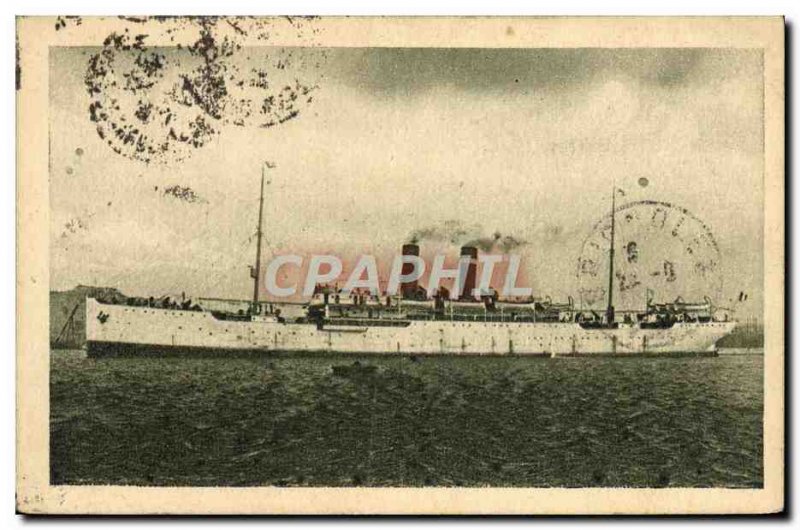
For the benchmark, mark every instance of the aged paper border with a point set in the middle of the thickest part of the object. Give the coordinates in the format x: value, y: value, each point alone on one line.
x: 35, y: 495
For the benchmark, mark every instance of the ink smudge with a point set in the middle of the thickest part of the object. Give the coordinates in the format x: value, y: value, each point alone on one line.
x: 62, y: 21
x: 182, y: 193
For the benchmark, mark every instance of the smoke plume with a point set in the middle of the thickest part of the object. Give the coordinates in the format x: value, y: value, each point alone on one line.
x: 456, y: 233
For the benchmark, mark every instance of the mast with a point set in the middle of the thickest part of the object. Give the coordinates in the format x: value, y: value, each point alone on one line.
x: 610, y: 307
x: 257, y: 270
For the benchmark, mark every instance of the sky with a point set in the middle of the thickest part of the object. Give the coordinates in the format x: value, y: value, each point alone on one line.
x: 459, y: 144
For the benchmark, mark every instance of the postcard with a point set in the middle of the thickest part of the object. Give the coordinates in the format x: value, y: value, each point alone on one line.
x: 303, y: 265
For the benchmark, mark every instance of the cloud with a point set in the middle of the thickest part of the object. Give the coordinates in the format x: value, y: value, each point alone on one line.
x: 410, y: 71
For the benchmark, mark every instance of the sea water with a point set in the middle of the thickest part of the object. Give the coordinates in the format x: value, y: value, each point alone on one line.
x: 428, y: 421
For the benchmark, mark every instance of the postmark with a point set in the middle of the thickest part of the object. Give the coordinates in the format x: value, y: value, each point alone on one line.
x: 158, y: 104
x: 662, y: 251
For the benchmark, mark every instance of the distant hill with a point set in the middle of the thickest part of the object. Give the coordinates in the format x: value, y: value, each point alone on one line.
x: 746, y: 334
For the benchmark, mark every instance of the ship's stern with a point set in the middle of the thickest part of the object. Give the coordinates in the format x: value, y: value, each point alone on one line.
x: 718, y: 332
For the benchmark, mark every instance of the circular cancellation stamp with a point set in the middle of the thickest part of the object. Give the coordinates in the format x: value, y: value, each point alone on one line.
x: 662, y: 252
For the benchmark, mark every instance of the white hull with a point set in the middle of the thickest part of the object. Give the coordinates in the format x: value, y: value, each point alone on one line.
x: 118, y: 328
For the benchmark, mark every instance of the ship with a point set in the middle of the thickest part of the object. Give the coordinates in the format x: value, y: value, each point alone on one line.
x: 410, y: 323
